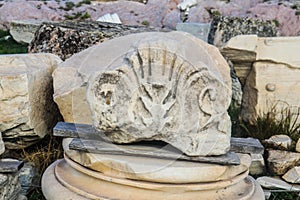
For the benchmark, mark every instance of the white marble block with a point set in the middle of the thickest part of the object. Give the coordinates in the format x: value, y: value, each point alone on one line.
x: 27, y: 109
x: 177, y: 91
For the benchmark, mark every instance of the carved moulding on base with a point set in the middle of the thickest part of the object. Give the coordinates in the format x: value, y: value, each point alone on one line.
x: 63, y: 180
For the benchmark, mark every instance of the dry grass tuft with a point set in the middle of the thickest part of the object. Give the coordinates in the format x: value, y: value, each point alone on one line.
x: 41, y: 155
x: 282, y: 122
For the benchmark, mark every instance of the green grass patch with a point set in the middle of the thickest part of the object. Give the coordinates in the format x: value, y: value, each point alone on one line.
x: 83, y: 2
x: 9, y: 46
x: 216, y: 13
x: 284, y: 196
x: 145, y: 23
x: 276, y: 22
x: 294, y: 6
x: 69, y: 6
x: 78, y: 15
x: 86, y: 15
x: 3, y: 33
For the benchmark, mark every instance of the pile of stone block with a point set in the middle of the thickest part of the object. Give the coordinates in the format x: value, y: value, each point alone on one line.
x: 10, y: 187
x: 27, y: 114
x: 283, y: 163
x: 268, y: 69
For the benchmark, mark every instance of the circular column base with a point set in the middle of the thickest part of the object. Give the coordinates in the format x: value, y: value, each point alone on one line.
x: 72, y: 181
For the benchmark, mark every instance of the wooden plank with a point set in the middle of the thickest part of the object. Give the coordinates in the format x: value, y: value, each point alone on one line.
x: 148, y: 149
x: 8, y: 165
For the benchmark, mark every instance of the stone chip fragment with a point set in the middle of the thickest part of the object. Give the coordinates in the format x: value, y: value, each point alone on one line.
x: 293, y: 175
x: 279, y: 162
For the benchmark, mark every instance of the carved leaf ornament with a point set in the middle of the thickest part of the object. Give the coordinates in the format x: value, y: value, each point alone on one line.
x: 157, y: 94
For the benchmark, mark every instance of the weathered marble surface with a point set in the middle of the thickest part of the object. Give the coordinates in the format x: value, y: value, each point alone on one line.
x: 246, y: 145
x: 271, y: 67
x: 171, y: 108
x: 10, y: 186
x: 282, y: 142
x: 27, y: 109
x: 149, y: 149
x: 155, y: 169
x: 160, y: 91
x: 70, y: 78
x: 297, y: 148
x: 244, y: 50
x: 2, y: 145
x: 270, y: 87
x: 293, y: 175
x: 279, y: 162
x: 241, y: 51
x: 223, y: 28
x: 54, y: 190
x: 276, y: 183
x: 78, y: 179
x: 9, y: 165
x: 257, y: 166
x: 23, y: 30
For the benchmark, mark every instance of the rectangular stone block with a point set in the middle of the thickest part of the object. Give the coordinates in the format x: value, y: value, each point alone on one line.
x: 245, y: 50
x: 293, y: 175
x: 257, y: 166
x: 200, y: 30
x: 8, y: 165
x: 10, y: 186
x: 88, y: 139
x: 226, y: 27
x: 23, y: 30
x: 277, y: 184
x: 246, y: 145
x: 270, y: 87
x: 71, y: 130
x: 279, y: 162
x: 154, y: 150
x: 27, y: 109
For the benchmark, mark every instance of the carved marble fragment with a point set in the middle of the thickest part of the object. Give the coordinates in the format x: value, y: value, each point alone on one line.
x: 157, y: 92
